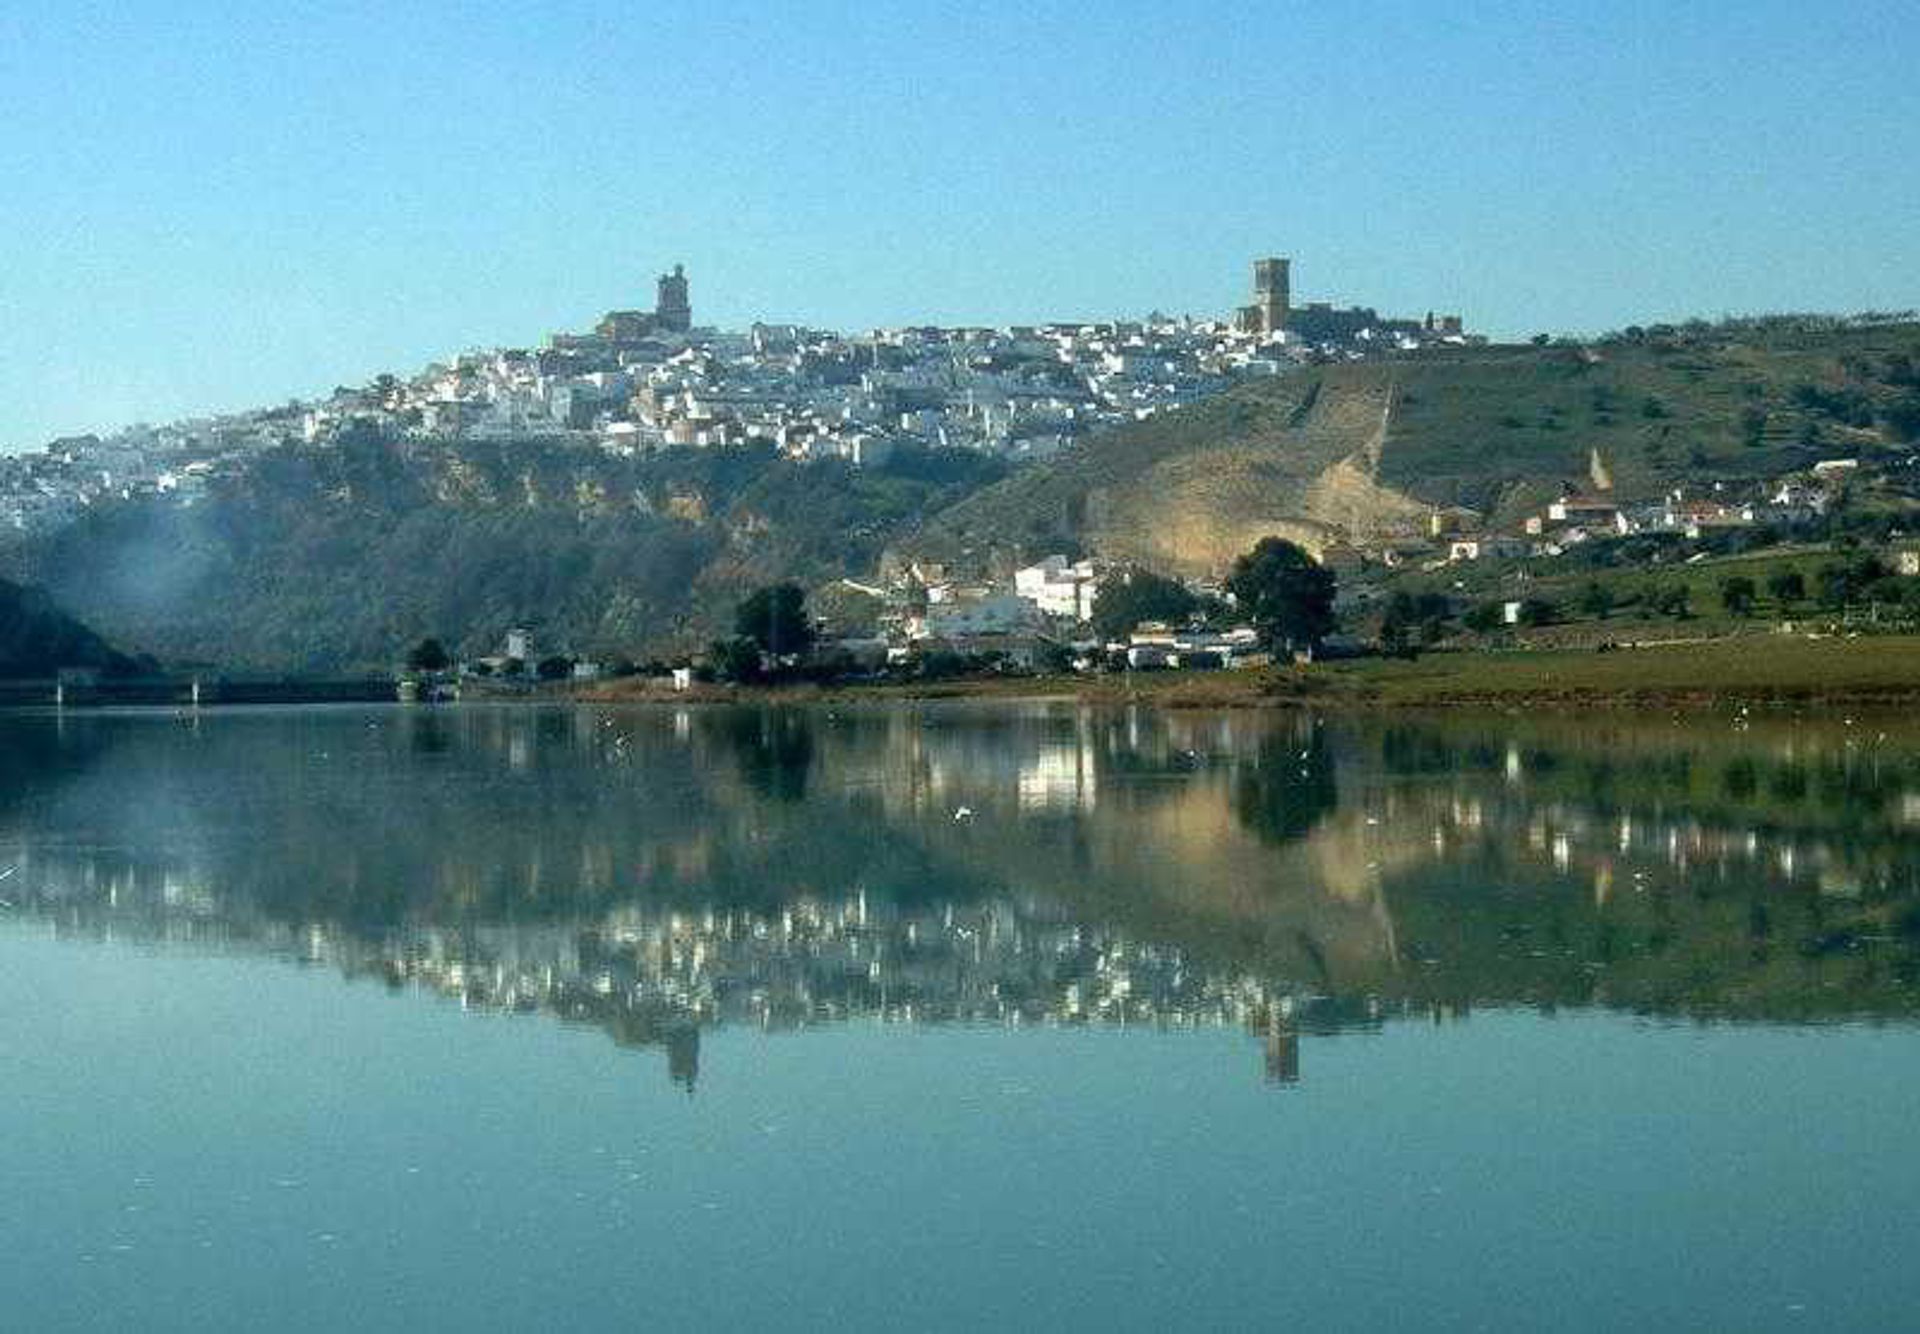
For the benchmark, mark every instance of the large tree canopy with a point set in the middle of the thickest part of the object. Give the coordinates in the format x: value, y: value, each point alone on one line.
x: 1288, y: 594
x: 775, y: 618
x: 1127, y: 599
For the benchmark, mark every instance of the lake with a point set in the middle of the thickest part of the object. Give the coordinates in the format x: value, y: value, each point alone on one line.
x: 954, y: 1016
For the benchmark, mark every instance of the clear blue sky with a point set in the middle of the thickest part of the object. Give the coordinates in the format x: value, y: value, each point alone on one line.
x: 209, y: 206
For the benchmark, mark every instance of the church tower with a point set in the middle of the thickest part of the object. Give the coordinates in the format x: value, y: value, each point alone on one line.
x: 671, y: 310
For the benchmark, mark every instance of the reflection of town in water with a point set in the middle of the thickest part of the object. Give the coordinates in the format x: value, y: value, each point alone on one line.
x: 659, y: 872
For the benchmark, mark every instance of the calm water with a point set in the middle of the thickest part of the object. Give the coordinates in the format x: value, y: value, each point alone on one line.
x: 956, y: 1016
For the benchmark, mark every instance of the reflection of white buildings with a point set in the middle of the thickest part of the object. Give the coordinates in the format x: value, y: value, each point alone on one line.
x: 1060, y: 778
x: 655, y: 977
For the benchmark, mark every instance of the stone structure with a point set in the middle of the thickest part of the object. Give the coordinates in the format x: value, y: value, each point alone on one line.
x: 671, y: 310
x: 671, y: 313
x: 1271, y: 307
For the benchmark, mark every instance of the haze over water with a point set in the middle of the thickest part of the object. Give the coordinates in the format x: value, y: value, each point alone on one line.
x: 944, y: 1016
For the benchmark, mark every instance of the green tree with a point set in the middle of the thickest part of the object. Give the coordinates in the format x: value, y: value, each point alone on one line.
x: 736, y: 659
x: 1786, y: 587
x: 1287, y: 593
x: 1671, y: 600
x: 1737, y: 593
x: 429, y: 655
x: 558, y: 667
x: 1596, y: 599
x: 774, y: 618
x: 1537, y: 612
x: 1125, y: 600
x: 1414, y: 620
x: 1484, y: 618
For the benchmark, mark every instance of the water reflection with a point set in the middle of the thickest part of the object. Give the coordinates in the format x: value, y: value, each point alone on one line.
x: 656, y: 872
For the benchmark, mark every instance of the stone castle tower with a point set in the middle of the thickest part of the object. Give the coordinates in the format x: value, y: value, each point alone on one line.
x: 1272, y: 298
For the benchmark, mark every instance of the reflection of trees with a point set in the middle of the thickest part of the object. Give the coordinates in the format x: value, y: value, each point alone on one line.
x: 41, y: 750
x: 773, y: 749
x: 1288, y: 787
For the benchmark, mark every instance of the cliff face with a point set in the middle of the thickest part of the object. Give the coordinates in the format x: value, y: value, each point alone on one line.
x: 338, y: 558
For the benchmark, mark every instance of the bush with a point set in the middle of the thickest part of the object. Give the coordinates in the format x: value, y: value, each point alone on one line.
x: 1536, y: 612
x: 1786, y: 587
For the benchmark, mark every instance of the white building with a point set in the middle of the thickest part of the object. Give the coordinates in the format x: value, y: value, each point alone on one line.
x: 1058, y: 587
x: 997, y: 614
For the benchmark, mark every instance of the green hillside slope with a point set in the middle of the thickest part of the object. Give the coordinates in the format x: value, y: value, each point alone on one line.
x: 322, y: 559
x: 1366, y: 450
x: 37, y: 639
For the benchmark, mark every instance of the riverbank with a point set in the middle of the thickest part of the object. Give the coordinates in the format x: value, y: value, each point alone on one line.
x: 1772, y: 670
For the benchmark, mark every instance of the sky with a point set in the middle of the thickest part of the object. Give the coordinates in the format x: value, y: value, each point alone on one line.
x: 206, y: 206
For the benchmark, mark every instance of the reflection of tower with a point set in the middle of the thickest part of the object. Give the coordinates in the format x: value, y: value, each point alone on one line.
x: 683, y: 1056
x: 1283, y: 1052
x: 1270, y: 284
x: 672, y: 311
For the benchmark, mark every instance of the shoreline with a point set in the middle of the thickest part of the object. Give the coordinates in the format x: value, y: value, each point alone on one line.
x: 1774, y: 672
x: 1877, y: 672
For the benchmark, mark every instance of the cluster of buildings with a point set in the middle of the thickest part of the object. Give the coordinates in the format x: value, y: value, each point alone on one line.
x: 1043, y: 611
x: 644, y: 380
x: 43, y: 492
x: 1575, y: 517
x: 1328, y: 330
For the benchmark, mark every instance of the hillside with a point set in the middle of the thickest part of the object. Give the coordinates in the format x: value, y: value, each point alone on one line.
x: 334, y: 558
x: 1366, y: 450
x: 37, y: 639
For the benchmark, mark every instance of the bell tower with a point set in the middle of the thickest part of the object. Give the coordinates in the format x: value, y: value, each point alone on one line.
x: 671, y: 310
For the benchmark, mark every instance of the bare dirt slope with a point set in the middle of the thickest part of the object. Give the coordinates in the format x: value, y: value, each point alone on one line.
x: 1298, y: 459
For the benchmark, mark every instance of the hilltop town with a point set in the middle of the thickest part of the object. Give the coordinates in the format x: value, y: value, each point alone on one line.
x: 642, y: 381
x: 965, y: 494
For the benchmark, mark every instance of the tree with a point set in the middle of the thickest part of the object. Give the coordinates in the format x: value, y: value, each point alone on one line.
x: 1737, y: 594
x: 1125, y: 600
x: 1484, y: 618
x: 558, y: 667
x: 1786, y: 587
x: 429, y: 655
x: 736, y: 659
x: 1596, y: 599
x: 1288, y: 594
x: 1414, y: 620
x: 1536, y: 612
x: 1673, y: 600
x: 774, y: 618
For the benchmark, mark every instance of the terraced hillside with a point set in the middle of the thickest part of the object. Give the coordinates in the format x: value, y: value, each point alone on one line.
x: 1367, y: 450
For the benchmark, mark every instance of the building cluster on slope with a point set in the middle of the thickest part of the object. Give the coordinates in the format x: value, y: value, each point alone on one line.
x: 640, y: 381
x: 1792, y: 500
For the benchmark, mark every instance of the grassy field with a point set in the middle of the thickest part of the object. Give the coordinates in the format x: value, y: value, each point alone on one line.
x: 1565, y: 585
x: 1776, y: 669
x: 1496, y: 428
